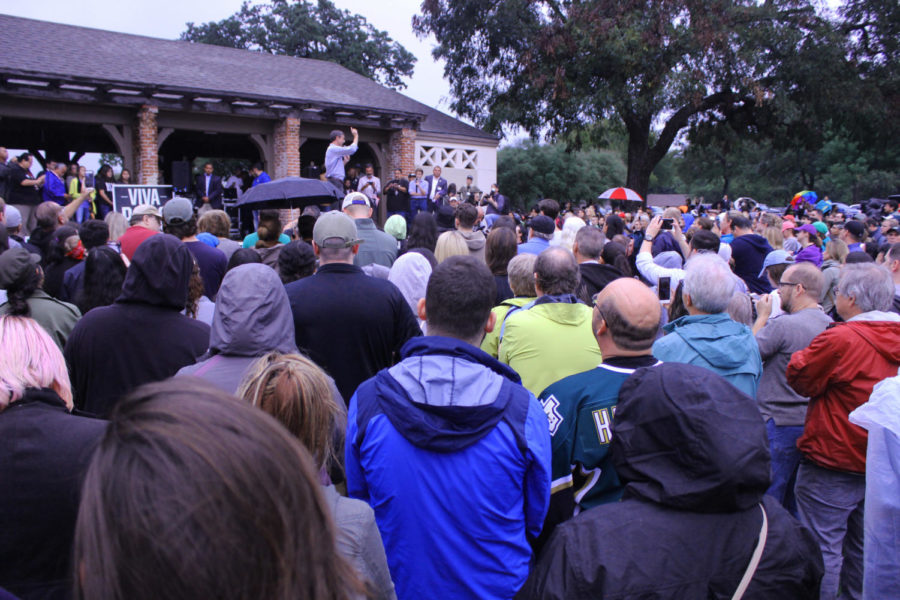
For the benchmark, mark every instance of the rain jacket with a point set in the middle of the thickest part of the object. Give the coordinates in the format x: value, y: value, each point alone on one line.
x: 551, y: 340
x: 453, y: 455
x: 491, y: 340
x: 838, y: 371
x: 693, y: 454
x: 252, y: 317
x: 715, y: 342
x: 141, y: 337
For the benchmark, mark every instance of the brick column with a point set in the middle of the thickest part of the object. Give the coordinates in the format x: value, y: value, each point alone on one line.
x: 146, y: 151
x: 401, y: 152
x: 286, y: 145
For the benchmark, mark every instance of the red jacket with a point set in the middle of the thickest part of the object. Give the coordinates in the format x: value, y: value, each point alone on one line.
x: 838, y: 371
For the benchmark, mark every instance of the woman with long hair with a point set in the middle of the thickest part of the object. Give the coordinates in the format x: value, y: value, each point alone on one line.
x: 194, y: 494
x: 423, y: 233
x: 104, y: 274
x: 500, y: 248
x: 450, y: 243
x: 269, y: 245
x: 615, y: 254
x: 811, y: 245
x: 125, y: 177
x: 103, y: 203
x: 295, y: 391
x: 45, y: 452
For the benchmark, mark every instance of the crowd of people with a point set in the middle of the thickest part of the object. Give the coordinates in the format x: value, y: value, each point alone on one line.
x: 461, y: 403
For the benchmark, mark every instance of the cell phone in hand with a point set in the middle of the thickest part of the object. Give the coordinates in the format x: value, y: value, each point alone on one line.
x: 666, y: 224
x: 89, y: 179
x: 664, y: 288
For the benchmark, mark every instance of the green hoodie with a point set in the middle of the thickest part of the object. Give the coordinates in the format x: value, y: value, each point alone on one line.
x: 548, y: 342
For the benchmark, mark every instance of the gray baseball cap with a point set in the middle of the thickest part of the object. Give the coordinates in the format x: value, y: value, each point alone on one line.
x: 177, y: 210
x: 334, y: 229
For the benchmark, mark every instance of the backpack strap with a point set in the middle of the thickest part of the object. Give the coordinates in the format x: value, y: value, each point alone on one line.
x: 506, y: 316
x: 754, y: 560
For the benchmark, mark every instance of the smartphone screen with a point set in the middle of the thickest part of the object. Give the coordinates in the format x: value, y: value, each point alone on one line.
x: 89, y: 179
x: 664, y: 288
x: 666, y: 224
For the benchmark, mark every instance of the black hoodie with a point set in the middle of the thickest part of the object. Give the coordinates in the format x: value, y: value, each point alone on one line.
x: 693, y: 452
x: 143, y: 336
x: 595, y: 277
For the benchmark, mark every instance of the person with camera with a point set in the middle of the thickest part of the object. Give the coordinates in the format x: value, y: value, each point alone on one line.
x: 396, y: 193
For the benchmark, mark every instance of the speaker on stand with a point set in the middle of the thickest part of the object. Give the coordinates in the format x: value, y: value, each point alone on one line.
x: 181, y: 177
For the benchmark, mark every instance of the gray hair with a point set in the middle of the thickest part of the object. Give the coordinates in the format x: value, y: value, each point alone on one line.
x: 709, y: 282
x: 520, y: 274
x: 556, y: 271
x: 543, y: 236
x: 590, y: 242
x: 870, y: 286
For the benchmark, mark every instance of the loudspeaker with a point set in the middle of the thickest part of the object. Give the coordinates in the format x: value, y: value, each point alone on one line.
x: 181, y: 175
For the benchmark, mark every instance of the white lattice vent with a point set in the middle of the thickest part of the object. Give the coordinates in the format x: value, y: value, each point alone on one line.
x: 444, y: 157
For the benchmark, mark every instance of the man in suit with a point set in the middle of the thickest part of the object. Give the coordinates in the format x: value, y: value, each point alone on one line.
x: 437, y: 189
x: 208, y: 190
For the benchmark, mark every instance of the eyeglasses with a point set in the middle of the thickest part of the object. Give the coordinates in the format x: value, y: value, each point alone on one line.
x: 787, y: 283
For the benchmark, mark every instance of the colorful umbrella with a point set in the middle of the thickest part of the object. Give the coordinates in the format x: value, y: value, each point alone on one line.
x: 805, y: 196
x: 620, y: 193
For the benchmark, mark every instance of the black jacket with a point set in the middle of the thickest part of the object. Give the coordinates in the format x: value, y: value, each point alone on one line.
x: 143, y: 336
x: 350, y: 324
x: 44, y: 453
x: 216, y: 191
x: 694, y: 454
x: 595, y: 277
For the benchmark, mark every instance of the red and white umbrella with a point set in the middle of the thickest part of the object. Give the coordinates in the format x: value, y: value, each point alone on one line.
x: 620, y: 193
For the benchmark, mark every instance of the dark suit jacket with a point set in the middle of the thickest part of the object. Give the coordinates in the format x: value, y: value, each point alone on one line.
x: 216, y: 191
x: 441, y: 188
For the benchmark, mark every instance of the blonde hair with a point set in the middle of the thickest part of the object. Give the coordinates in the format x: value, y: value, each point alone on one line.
x: 837, y: 250
x: 775, y: 238
x: 294, y: 390
x: 450, y: 243
x: 117, y: 225
x: 29, y: 358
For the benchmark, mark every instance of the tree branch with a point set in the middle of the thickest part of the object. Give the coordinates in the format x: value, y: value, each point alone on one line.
x: 679, y: 121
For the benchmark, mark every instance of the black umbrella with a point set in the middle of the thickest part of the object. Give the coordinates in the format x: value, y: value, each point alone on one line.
x: 289, y: 192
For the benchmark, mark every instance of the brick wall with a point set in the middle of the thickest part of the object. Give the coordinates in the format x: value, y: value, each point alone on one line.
x: 146, y: 153
x: 401, y: 152
x: 286, y: 146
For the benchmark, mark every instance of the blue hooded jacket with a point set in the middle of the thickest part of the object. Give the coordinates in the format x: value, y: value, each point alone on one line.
x: 453, y: 455
x: 716, y: 342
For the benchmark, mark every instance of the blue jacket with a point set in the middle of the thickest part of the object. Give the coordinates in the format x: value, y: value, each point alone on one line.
x: 715, y: 342
x: 453, y: 455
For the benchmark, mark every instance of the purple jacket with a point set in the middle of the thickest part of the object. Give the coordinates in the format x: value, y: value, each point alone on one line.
x: 810, y: 254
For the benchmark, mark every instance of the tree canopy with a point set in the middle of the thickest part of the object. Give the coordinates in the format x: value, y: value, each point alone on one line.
x: 551, y: 66
x: 317, y: 30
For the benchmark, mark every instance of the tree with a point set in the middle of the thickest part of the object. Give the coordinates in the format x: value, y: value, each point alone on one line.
x: 307, y: 30
x: 529, y: 172
x: 551, y: 66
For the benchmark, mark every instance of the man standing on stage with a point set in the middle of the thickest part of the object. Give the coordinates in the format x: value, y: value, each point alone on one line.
x: 334, y: 157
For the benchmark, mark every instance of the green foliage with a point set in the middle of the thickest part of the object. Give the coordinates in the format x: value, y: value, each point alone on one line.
x: 113, y: 160
x: 529, y: 172
x: 311, y: 30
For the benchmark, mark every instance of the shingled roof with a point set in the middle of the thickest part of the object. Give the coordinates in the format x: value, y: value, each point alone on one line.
x: 83, y: 53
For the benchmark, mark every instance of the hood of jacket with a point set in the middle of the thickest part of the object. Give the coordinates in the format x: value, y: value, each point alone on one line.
x: 598, y: 275
x: 564, y: 309
x: 689, y: 441
x: 159, y: 273
x: 475, y: 240
x: 881, y: 331
x: 718, y: 339
x: 253, y: 314
x: 446, y: 395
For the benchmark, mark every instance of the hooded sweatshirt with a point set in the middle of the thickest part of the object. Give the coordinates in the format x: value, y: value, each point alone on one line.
x: 252, y: 317
x: 454, y: 457
x: 551, y: 340
x: 475, y: 240
x: 693, y: 453
x: 140, y: 338
x: 595, y: 277
x: 749, y: 253
x: 715, y: 342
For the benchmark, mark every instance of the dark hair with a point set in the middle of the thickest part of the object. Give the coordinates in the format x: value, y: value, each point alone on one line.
x: 858, y: 256
x: 296, y: 261
x: 258, y: 166
x: 105, y: 173
x: 776, y: 272
x: 451, y: 189
x: 467, y: 215
x: 56, y: 249
x: 504, y: 221
x: 614, y: 226
x: 18, y: 293
x: 499, y: 249
x: 195, y: 290
x: 615, y: 254
x: 237, y: 508
x: 704, y: 240
x: 243, y: 256
x: 104, y: 274
x: 93, y: 233
x: 423, y: 233
x: 549, y: 208
x: 305, y: 225
x: 23, y: 156
x: 269, y: 230
x: 556, y: 271
x: 739, y: 221
x: 335, y: 134
x: 183, y: 229
x: 459, y: 297
x: 677, y: 308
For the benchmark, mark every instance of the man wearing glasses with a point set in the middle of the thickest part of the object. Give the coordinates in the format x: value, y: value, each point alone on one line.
x: 580, y: 408
x: 783, y: 409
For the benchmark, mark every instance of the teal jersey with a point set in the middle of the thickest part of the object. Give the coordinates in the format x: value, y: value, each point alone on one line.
x: 580, y: 410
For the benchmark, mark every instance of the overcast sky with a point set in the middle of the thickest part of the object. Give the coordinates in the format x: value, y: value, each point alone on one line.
x: 167, y: 18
